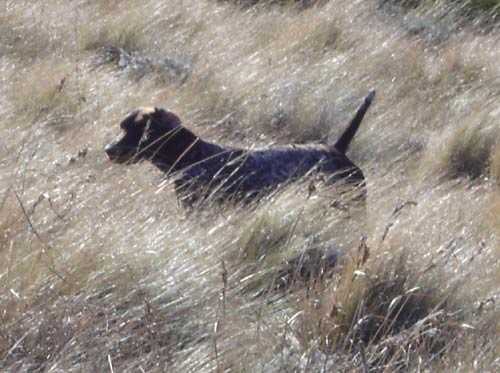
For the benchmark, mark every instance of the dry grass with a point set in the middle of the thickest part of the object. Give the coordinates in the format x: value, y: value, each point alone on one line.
x: 124, y: 31
x: 384, y: 313
x: 488, y: 6
x: 495, y: 163
x: 100, y: 270
x: 466, y: 150
x: 49, y: 93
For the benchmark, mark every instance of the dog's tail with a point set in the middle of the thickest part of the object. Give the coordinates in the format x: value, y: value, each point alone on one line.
x: 343, y: 142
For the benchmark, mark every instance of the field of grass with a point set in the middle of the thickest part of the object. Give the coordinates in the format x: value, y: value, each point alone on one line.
x: 102, y: 270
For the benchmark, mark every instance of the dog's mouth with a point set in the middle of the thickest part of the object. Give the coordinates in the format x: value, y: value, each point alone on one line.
x: 122, y: 159
x: 121, y: 155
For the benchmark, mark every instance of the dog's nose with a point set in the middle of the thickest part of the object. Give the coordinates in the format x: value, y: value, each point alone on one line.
x: 109, y: 149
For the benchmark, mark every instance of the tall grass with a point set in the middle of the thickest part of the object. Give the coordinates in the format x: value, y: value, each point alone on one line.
x: 484, y: 5
x: 102, y: 270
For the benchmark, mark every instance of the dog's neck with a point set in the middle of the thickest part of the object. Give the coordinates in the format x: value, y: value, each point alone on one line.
x: 183, y: 150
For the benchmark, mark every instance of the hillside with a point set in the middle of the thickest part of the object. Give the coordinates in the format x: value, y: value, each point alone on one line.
x: 102, y: 270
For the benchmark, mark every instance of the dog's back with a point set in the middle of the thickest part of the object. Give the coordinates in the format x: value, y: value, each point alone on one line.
x: 253, y: 172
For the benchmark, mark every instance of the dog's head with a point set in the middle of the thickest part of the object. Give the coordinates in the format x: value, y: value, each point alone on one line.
x: 149, y: 133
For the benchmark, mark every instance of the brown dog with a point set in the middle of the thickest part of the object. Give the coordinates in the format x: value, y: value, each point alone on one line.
x: 204, y: 169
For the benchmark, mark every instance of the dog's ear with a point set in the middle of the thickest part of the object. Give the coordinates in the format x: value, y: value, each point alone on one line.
x: 166, y: 118
x: 158, y: 113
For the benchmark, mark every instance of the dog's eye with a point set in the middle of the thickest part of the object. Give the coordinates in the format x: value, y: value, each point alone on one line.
x: 128, y: 125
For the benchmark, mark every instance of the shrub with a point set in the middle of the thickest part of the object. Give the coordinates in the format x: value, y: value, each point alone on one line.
x: 385, y: 308
x: 465, y: 151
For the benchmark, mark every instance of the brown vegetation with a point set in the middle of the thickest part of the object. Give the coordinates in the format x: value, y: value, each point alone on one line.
x: 101, y: 271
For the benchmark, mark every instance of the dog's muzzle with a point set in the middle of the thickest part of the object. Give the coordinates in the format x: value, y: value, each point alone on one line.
x: 119, y: 154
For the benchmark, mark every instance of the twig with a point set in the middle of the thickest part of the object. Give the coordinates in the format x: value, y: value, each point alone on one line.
x: 110, y: 364
x: 37, y: 235
x: 216, y: 350
x: 224, y: 119
x: 25, y: 213
x: 224, y: 287
x: 61, y: 217
x: 19, y: 341
x: 363, y: 358
x: 41, y: 198
x: 394, y: 215
x: 363, y: 252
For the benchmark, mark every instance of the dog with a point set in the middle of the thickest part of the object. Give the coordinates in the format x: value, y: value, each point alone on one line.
x: 205, y: 170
